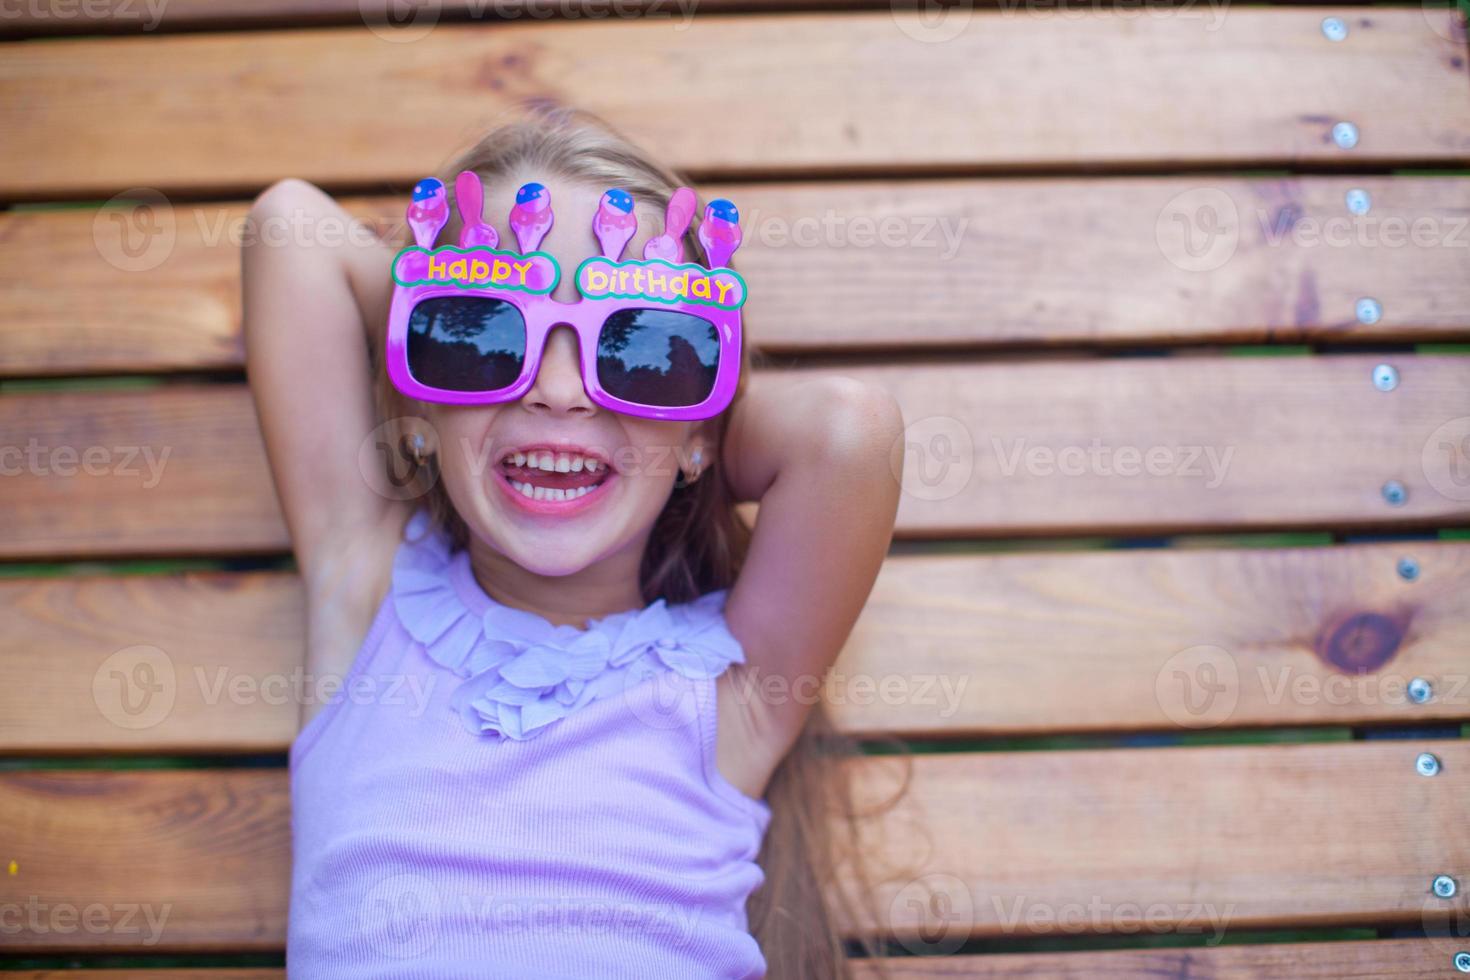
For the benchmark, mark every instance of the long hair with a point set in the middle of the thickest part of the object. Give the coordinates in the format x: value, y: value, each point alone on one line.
x: 816, y: 869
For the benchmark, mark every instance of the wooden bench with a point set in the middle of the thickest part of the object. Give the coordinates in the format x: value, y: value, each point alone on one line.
x: 1176, y: 629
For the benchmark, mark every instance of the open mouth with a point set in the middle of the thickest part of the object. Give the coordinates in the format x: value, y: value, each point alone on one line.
x: 545, y: 475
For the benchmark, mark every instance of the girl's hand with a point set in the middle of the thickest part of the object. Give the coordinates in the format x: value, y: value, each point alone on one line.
x: 309, y: 288
x: 819, y: 455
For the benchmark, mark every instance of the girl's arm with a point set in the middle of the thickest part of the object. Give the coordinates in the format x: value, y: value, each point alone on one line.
x: 312, y: 276
x: 820, y: 456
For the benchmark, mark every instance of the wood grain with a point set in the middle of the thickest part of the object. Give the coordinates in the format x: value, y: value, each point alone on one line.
x: 41, y: 18
x: 1115, y: 446
x: 1399, y: 959
x: 878, y: 91
x: 948, y: 645
x: 1030, y: 843
x: 911, y: 264
x: 1423, y: 959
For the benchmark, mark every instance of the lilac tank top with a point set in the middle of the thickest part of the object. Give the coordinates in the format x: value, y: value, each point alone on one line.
x: 492, y: 795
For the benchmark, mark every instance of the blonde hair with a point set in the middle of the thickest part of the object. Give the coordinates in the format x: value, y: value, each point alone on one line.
x: 698, y: 544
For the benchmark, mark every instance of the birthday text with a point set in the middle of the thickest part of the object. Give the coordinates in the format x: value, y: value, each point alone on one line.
x: 599, y: 278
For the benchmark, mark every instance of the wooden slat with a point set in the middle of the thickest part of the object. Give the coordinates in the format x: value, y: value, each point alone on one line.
x: 1424, y: 959
x: 1400, y: 959
x: 1124, y: 446
x: 995, y: 262
x: 1253, y: 837
x: 946, y: 645
x: 147, y: 663
x: 183, y: 471
x: 1259, y: 86
x: 1197, y: 839
x: 40, y: 18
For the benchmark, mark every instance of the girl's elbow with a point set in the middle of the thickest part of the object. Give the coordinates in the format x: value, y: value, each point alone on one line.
x: 863, y: 420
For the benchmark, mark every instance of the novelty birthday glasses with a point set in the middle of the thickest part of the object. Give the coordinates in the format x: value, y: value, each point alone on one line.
x: 659, y: 337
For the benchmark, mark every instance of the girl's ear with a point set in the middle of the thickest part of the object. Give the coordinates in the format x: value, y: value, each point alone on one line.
x: 417, y: 437
x: 699, y: 452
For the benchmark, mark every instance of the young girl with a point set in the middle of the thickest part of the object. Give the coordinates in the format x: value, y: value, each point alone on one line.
x: 577, y: 728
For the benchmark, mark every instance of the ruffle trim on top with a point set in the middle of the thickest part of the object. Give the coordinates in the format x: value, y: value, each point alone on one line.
x: 523, y: 672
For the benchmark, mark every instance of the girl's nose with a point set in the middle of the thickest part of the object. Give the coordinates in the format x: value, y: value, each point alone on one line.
x: 558, y: 385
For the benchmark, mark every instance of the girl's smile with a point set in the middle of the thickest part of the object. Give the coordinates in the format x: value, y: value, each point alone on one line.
x: 555, y: 482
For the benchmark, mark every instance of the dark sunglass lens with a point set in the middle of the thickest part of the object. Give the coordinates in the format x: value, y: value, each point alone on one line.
x: 466, y: 343
x: 658, y: 357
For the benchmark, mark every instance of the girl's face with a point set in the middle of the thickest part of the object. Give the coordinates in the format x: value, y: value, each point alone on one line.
x: 613, y: 473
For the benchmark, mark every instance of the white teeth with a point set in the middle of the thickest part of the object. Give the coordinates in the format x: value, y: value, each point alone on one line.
x: 549, y: 493
x: 555, y: 463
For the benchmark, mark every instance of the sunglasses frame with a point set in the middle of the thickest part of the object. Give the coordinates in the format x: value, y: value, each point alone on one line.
x: 587, y: 316
x: 526, y: 279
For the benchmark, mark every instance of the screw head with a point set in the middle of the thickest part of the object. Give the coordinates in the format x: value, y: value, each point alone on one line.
x: 1358, y: 201
x: 1394, y: 493
x: 1427, y: 764
x: 1334, y: 28
x: 1462, y: 961
x: 1369, y: 311
x: 1345, y: 135
x: 1444, y: 886
x: 1420, y: 690
x: 1408, y: 569
x: 1385, y: 377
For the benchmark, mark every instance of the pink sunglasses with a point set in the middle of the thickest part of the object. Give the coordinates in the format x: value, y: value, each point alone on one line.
x: 659, y: 337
